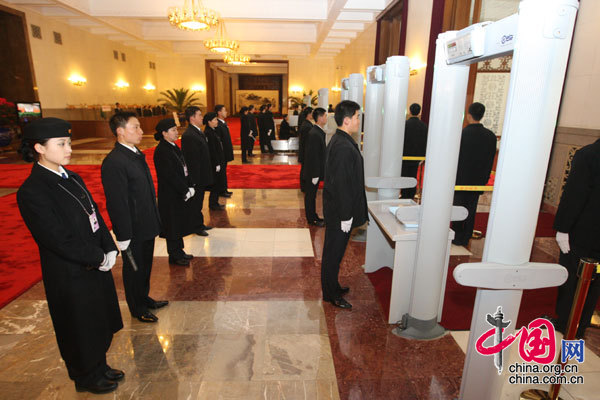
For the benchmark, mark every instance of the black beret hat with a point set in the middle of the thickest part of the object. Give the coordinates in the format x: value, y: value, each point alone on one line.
x: 163, y: 126
x: 47, y: 128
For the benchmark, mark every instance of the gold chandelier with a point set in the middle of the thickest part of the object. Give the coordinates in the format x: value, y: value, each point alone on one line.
x: 236, y: 59
x: 220, y: 44
x: 193, y: 16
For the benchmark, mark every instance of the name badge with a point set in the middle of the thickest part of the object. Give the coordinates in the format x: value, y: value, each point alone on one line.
x: 185, y: 171
x: 94, y: 222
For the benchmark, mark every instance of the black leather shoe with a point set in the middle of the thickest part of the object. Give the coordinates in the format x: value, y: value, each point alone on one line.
x: 102, y: 385
x: 225, y: 195
x: 341, y: 303
x: 181, y: 261
x: 217, y: 207
x: 344, y: 289
x: 158, y: 304
x: 147, y: 317
x: 228, y: 192
x: 202, y: 233
x: 317, y: 223
x: 114, y: 375
x: 206, y: 227
x: 188, y: 256
x: 319, y: 219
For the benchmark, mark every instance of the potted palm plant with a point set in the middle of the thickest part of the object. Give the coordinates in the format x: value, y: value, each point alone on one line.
x: 179, y: 99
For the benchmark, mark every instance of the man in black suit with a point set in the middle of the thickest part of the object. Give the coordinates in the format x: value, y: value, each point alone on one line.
x: 270, y: 125
x: 263, y: 134
x: 415, y: 144
x: 131, y: 205
x: 245, y: 134
x: 314, y: 164
x: 307, y: 124
x: 344, y: 199
x: 577, y: 223
x: 194, y: 147
x: 225, y: 136
x: 475, y: 161
x: 253, y: 128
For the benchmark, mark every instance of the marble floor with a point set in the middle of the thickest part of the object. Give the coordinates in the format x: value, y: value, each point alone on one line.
x: 243, y: 325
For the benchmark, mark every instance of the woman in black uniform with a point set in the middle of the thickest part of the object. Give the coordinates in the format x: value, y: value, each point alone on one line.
x: 77, y: 253
x: 174, y: 191
x: 217, y: 159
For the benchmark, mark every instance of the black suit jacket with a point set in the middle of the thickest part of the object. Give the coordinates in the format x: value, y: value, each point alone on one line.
x: 269, y: 124
x: 415, y: 139
x: 284, y: 130
x: 225, y: 137
x: 215, y: 148
x: 302, y: 133
x: 194, y: 147
x: 344, y: 188
x: 314, y: 154
x: 252, y: 124
x: 476, y: 157
x: 130, y: 195
x: 578, y: 213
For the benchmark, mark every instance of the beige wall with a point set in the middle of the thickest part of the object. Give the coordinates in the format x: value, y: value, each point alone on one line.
x: 310, y: 73
x: 181, y: 72
x: 581, y: 96
x: 417, y: 43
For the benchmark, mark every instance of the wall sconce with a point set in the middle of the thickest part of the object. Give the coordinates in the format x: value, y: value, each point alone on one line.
x: 416, y: 65
x: 296, y: 89
x: 149, y: 87
x: 336, y: 89
x: 197, y: 88
x: 121, y: 84
x: 77, y: 80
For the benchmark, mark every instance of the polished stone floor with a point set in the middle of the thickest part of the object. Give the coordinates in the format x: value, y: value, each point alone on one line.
x: 252, y: 325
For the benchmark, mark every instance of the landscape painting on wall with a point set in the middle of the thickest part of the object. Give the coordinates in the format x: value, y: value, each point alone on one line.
x: 244, y: 98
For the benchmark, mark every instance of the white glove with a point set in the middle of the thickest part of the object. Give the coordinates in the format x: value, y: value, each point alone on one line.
x: 251, y: 133
x: 123, y: 245
x: 315, y: 180
x: 346, y: 225
x: 189, y: 194
x: 269, y: 132
x: 218, y: 168
x: 563, y: 242
x: 109, y: 261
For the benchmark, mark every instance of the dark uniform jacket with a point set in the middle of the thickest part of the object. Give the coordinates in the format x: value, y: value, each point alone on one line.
x: 415, y: 139
x: 252, y: 118
x: 261, y: 120
x: 82, y: 300
x: 194, y: 147
x: 302, y: 132
x: 225, y: 137
x: 344, y: 188
x: 284, y: 130
x: 578, y: 213
x: 215, y: 148
x: 173, y: 185
x: 245, y: 130
x: 269, y: 124
x: 476, y: 157
x: 130, y: 195
x: 314, y: 154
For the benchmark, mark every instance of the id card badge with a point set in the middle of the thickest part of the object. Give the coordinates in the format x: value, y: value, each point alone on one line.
x: 94, y: 222
x: 185, y: 171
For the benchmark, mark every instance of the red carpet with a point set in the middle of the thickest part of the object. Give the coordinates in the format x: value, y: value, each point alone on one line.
x: 459, y: 301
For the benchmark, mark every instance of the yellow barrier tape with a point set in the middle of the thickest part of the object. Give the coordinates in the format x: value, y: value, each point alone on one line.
x: 411, y: 158
x: 465, y: 188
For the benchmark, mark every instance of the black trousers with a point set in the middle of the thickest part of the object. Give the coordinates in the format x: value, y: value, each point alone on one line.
x: 247, y: 146
x: 409, y: 170
x: 333, y: 252
x: 225, y: 183
x: 566, y: 295
x: 463, y: 230
x: 200, y: 194
x: 90, y: 376
x: 310, y: 200
x: 265, y: 144
x: 216, y: 188
x: 137, y: 283
x: 175, y: 248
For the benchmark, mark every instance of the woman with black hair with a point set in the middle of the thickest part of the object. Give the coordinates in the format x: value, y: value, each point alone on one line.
x: 77, y: 253
x: 217, y: 159
x: 175, y: 191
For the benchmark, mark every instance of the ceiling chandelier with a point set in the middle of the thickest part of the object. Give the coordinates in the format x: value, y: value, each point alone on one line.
x: 193, y: 16
x: 220, y: 44
x: 236, y: 59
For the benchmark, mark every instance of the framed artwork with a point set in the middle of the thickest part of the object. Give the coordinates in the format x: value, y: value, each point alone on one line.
x: 244, y: 98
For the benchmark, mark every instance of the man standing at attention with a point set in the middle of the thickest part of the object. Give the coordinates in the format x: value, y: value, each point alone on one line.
x: 475, y: 161
x: 344, y: 199
x: 415, y: 143
x: 314, y: 164
x: 225, y: 136
x: 131, y: 205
